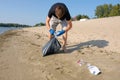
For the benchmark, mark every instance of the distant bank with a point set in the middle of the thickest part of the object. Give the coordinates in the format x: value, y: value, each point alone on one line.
x: 4, y: 29
x: 10, y: 26
x: 13, y: 25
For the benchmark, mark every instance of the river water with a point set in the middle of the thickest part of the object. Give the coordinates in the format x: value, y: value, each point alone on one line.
x: 3, y: 29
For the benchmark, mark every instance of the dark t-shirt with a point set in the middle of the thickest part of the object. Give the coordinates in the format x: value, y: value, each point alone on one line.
x: 52, y: 12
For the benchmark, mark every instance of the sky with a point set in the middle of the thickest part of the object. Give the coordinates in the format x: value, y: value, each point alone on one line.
x: 31, y: 12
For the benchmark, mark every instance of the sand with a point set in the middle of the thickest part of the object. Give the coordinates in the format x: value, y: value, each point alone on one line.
x: 95, y: 41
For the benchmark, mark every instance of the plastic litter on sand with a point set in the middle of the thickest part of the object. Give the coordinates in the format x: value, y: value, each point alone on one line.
x: 93, y: 69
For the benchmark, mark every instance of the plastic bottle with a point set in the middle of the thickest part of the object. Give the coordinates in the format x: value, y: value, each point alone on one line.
x: 81, y: 62
x: 93, y: 69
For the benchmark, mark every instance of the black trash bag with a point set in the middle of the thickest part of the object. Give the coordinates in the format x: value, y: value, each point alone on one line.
x: 51, y: 47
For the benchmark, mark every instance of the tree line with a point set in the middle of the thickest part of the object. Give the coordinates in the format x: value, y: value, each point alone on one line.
x: 107, y: 10
x: 78, y: 17
x: 13, y: 25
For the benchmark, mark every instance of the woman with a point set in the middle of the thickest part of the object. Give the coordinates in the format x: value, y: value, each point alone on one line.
x: 59, y: 14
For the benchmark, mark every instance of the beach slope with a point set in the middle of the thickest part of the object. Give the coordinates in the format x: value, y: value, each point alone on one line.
x: 95, y: 41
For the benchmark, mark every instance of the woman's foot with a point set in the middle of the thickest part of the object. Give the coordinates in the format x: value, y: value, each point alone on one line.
x: 64, y: 49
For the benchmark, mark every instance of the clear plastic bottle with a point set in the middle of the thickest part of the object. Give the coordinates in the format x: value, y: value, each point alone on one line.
x: 93, y: 69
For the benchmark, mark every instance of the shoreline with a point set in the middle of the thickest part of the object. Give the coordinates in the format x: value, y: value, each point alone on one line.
x: 94, y: 41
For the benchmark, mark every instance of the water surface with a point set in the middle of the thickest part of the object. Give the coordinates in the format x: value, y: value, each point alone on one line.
x: 4, y: 29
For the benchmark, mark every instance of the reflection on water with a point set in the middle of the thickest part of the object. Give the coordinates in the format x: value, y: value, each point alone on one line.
x: 3, y: 29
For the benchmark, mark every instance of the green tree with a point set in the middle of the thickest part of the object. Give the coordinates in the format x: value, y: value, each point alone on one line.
x: 107, y: 10
x: 84, y: 16
x: 110, y: 8
x: 78, y: 17
x: 99, y: 11
x: 40, y: 24
x: 115, y: 10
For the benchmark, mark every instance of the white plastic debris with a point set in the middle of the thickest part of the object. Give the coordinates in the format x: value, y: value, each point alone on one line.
x: 93, y: 69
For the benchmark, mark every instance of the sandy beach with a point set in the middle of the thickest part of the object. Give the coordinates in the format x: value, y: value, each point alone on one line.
x: 95, y: 41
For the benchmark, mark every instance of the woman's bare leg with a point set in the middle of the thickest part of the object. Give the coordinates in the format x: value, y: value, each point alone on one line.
x: 64, y: 41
